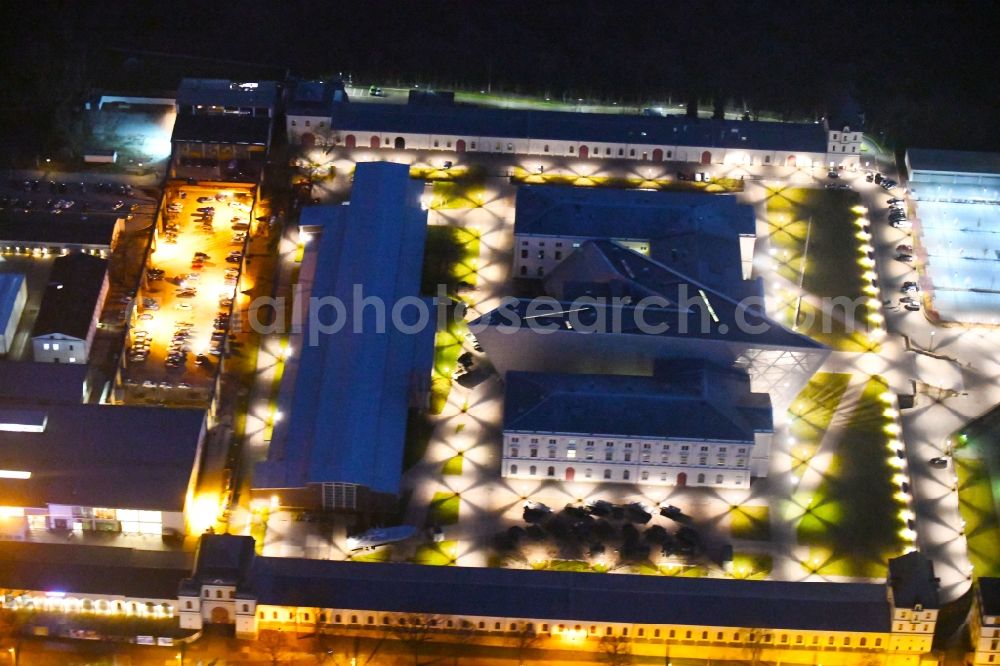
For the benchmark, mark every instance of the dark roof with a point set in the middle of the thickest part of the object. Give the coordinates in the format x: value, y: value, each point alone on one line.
x: 65, y: 229
x: 471, y: 121
x: 42, y: 383
x: 223, y: 559
x: 104, y: 455
x: 602, y: 269
x: 911, y: 577
x: 353, y: 388
x: 219, y: 128
x: 696, y: 234
x: 223, y: 92
x: 72, y: 295
x: 75, y: 568
x: 11, y: 285
x: 557, y: 595
x: 685, y: 400
x: 989, y: 593
x: 312, y: 98
x: 952, y: 161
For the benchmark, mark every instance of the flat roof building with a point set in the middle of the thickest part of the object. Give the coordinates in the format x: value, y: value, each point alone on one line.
x: 100, y: 467
x: 346, y: 395
x: 44, y: 232
x: 71, y: 309
x: 13, y: 296
x: 43, y: 383
x: 958, y: 223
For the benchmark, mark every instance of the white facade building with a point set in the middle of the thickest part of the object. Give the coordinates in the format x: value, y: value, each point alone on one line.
x: 71, y: 309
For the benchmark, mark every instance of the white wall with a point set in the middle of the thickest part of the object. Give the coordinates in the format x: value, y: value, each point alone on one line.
x: 58, y: 348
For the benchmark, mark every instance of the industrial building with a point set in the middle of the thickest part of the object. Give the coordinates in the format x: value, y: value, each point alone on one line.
x: 957, y: 222
x: 347, y: 389
x: 689, y: 424
x: 28, y: 383
x: 13, y: 296
x: 610, y: 310
x: 223, y: 129
x: 46, y: 233
x: 463, y: 128
x: 75, y: 467
x: 71, y: 309
x: 717, y: 619
x: 708, y: 237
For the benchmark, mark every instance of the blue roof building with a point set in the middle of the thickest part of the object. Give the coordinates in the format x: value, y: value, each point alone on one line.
x: 13, y: 295
x: 708, y: 237
x: 347, y: 392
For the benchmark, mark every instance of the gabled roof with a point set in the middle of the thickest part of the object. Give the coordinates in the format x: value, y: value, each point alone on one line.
x: 676, y: 305
x: 223, y: 559
x: 911, y: 577
x: 223, y: 92
x: 313, y: 98
x: 685, y: 400
x: 559, y: 595
x: 472, y: 122
x: 72, y: 296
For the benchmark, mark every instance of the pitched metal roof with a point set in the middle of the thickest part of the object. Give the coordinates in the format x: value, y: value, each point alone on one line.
x: 685, y: 400
x: 223, y: 92
x: 952, y: 161
x: 219, y: 128
x: 57, y: 229
x: 472, y: 121
x: 41, y: 383
x: 10, y: 288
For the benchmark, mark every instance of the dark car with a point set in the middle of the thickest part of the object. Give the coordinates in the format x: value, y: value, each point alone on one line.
x: 910, y: 287
x: 905, y: 258
x: 912, y: 307
x: 938, y: 462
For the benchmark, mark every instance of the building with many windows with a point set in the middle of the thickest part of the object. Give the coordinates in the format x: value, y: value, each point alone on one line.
x: 984, y: 622
x: 308, y: 107
x: 689, y: 424
x: 708, y: 237
x: 663, y: 617
x: 464, y: 128
x: 71, y: 309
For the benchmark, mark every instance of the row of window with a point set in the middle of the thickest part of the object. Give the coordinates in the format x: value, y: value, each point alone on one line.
x: 55, y: 346
x: 610, y: 456
x: 646, y: 446
x: 626, y: 475
x: 640, y: 632
x: 309, y: 124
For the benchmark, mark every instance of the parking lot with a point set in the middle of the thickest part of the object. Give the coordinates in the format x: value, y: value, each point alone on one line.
x: 181, y: 319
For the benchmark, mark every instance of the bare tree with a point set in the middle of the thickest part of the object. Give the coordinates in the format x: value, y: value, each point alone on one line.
x: 414, y: 632
x: 275, y: 645
x: 330, y: 648
x: 523, y: 639
x: 757, y: 640
x: 617, y: 650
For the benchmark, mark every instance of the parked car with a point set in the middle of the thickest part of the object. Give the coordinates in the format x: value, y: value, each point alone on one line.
x: 912, y: 307
x: 905, y: 258
x: 901, y: 224
x: 832, y: 174
x: 939, y: 462
x: 908, y: 249
x: 910, y: 287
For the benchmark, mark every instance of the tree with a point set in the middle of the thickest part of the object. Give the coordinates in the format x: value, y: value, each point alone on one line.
x: 523, y: 639
x: 275, y: 645
x: 617, y: 650
x: 332, y: 649
x: 756, y: 641
x: 414, y: 632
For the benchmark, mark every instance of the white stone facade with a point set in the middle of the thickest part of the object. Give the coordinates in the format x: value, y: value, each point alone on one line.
x: 648, y: 461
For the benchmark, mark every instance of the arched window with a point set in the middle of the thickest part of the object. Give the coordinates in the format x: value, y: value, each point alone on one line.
x: 513, y: 469
x: 701, y: 478
x: 625, y: 475
x: 551, y: 471
x: 532, y: 470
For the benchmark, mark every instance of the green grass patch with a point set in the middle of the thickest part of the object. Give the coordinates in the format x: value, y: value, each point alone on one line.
x: 977, y: 504
x: 464, y: 193
x: 451, y: 258
x: 380, y: 554
x: 566, y: 565
x: 811, y: 412
x: 437, y: 554
x: 444, y: 509
x: 828, y: 269
x: 453, y: 466
x: 752, y: 566
x: 750, y: 522
x: 852, y: 523
x: 447, y: 348
x: 717, y: 186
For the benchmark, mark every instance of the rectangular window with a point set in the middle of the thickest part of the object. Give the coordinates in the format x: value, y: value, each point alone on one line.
x: 609, y: 455
x: 55, y: 346
x: 45, y: 346
x: 607, y: 474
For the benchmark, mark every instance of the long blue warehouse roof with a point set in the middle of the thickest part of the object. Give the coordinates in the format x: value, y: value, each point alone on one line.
x: 560, y: 595
x: 472, y: 121
x: 10, y: 287
x: 685, y: 400
x: 353, y: 386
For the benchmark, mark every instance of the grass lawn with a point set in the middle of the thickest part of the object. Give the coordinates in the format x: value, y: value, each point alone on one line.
x: 444, y: 509
x: 811, y: 412
x: 750, y: 522
x: 380, y: 554
x: 447, y: 348
x: 418, y: 435
x: 451, y: 257
x: 563, y: 565
x: 752, y: 566
x: 831, y: 268
x: 684, y: 571
x: 464, y: 193
x: 852, y: 523
x: 437, y: 554
x: 453, y: 465
x: 977, y: 504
